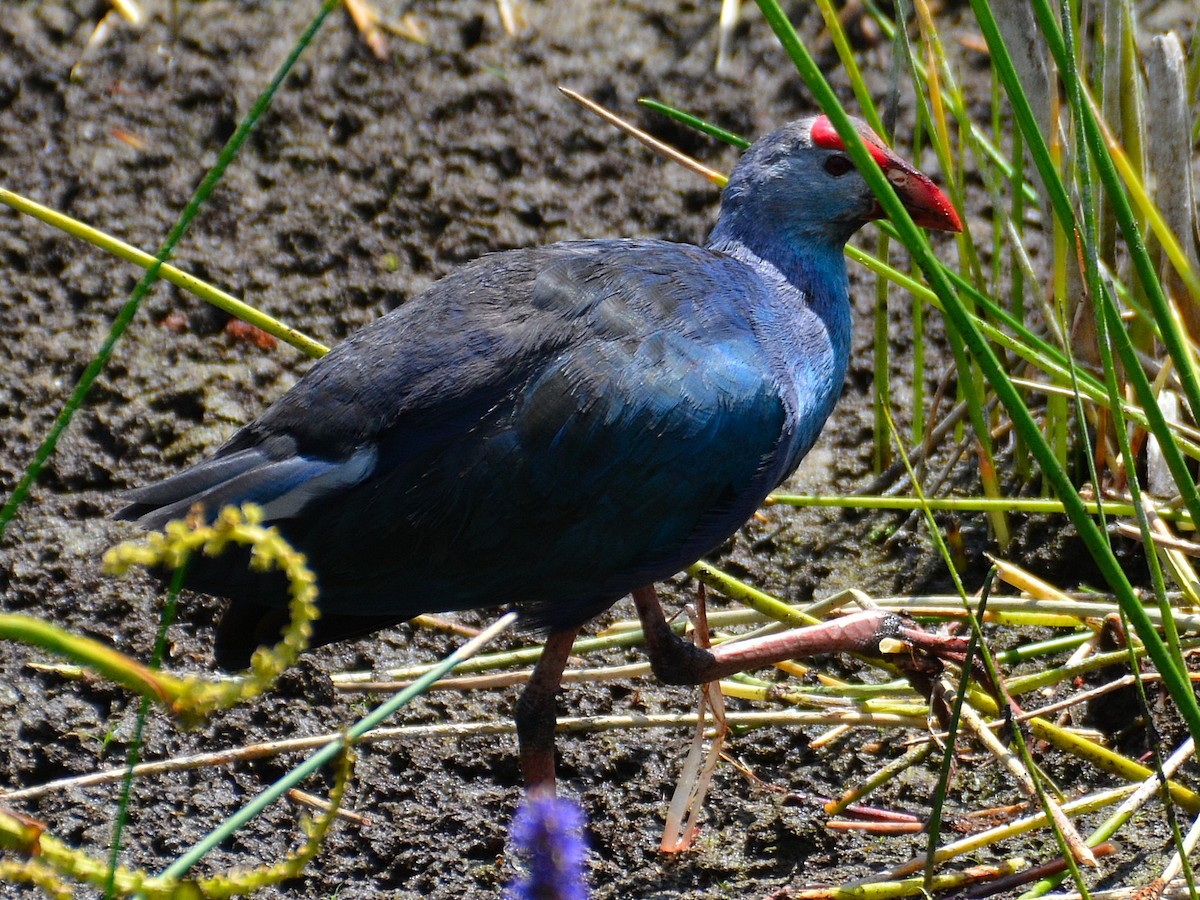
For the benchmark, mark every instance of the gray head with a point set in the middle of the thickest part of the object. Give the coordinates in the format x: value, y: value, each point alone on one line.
x: 798, y: 183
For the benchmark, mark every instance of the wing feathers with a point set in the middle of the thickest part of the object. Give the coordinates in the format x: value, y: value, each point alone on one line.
x: 282, y: 487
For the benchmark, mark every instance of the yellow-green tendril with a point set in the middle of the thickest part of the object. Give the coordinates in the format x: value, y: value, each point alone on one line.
x: 194, y: 698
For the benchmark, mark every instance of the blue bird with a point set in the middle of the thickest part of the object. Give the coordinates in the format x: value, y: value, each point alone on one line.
x: 558, y: 427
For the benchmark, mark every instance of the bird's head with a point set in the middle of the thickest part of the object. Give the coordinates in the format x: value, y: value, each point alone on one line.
x: 800, y: 181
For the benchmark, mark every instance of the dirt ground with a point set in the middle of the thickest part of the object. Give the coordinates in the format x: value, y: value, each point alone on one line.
x: 366, y: 181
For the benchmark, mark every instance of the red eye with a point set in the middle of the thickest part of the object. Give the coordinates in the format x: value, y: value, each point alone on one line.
x: 838, y: 165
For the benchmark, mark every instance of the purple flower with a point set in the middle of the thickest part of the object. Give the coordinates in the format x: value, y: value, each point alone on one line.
x: 549, y: 833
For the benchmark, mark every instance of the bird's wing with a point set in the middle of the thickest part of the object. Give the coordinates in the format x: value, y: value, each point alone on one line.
x: 601, y: 409
x: 282, y: 487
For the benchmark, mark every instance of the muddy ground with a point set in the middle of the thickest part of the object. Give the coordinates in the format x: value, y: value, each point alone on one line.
x: 366, y: 181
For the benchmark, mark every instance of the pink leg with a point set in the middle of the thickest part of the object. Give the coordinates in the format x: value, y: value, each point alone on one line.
x: 536, y: 712
x: 676, y: 661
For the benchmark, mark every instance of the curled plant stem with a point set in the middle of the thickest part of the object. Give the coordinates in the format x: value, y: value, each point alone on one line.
x: 190, y: 699
x: 194, y: 698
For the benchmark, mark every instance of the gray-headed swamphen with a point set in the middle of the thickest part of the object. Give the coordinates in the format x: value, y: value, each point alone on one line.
x: 558, y: 427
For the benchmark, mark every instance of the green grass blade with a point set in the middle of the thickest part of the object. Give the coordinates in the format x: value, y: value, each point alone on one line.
x: 1176, y: 682
x: 962, y: 322
x: 695, y: 122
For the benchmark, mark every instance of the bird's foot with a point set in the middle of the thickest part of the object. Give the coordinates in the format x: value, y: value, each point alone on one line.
x: 919, y: 654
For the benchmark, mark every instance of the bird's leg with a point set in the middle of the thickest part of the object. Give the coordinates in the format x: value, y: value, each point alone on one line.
x: 536, y: 712
x: 874, y: 633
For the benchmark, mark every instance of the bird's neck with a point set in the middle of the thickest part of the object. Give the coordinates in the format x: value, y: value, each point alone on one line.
x: 805, y: 275
x: 804, y: 321
x: 809, y: 258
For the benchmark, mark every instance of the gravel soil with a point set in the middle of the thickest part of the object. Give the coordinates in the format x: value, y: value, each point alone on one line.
x: 366, y: 181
